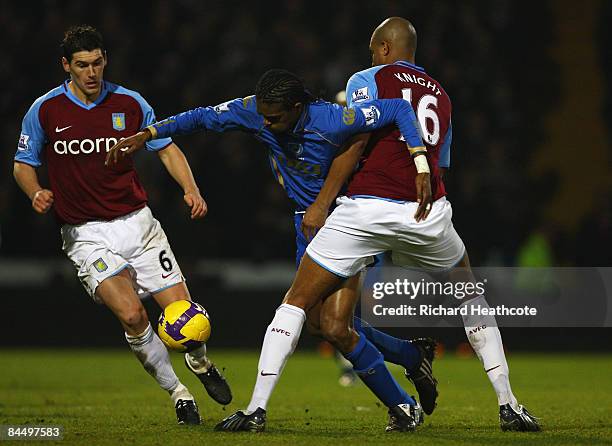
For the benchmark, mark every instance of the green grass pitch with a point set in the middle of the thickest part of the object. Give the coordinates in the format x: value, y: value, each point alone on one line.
x: 105, y: 397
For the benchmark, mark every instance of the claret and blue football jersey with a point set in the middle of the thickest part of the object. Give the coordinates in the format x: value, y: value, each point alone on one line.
x: 384, y: 171
x: 73, y: 137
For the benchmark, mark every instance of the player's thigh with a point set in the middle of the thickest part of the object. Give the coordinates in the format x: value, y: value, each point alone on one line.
x: 171, y: 294
x: 337, y: 306
x: 117, y: 293
x: 312, y: 284
x: 313, y: 325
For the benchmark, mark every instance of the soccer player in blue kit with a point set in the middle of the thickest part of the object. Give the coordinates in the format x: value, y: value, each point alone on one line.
x: 304, y: 136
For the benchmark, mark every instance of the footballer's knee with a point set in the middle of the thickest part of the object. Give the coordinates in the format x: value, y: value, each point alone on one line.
x: 313, y: 320
x: 313, y: 328
x: 134, y: 318
x: 338, y: 333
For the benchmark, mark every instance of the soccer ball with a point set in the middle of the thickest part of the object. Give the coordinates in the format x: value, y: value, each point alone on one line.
x: 183, y: 325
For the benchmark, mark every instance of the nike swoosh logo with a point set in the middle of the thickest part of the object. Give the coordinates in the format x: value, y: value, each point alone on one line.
x: 267, y: 374
x: 492, y: 368
x: 165, y: 276
x: 58, y: 130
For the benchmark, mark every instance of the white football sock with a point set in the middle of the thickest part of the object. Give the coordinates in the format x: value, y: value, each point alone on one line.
x: 485, y: 338
x: 180, y: 393
x: 153, y: 355
x: 198, y: 360
x: 279, y: 343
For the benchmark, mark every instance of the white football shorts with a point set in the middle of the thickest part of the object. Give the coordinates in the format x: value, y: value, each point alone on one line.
x: 101, y: 249
x: 361, y: 228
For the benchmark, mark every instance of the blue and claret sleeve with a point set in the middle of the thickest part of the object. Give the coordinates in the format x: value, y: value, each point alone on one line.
x: 361, y: 87
x: 32, y: 138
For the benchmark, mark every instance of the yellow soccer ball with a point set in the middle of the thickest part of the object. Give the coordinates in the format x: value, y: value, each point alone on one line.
x: 184, y: 325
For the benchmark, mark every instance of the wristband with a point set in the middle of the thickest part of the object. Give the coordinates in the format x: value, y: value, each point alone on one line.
x: 414, y: 151
x: 420, y: 161
x: 152, y: 130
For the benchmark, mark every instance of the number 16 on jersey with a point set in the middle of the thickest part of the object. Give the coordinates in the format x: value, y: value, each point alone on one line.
x: 425, y: 111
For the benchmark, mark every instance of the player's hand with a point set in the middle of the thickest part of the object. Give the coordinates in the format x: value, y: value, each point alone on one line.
x: 314, y: 219
x: 127, y: 146
x: 424, y: 197
x: 197, y: 204
x: 42, y: 201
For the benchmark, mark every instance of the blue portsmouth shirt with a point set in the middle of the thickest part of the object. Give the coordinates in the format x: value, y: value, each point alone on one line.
x: 301, y: 158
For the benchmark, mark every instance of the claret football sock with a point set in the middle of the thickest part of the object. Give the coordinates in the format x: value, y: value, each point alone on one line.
x: 397, y: 351
x: 279, y: 343
x: 485, y: 339
x: 154, y: 357
x: 198, y: 359
x: 370, y: 366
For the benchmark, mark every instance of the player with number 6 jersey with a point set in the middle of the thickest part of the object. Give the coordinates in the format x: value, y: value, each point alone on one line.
x: 118, y: 248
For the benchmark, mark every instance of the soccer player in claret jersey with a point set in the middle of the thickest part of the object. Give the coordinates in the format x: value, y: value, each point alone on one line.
x: 384, y: 174
x: 304, y: 135
x: 119, y: 250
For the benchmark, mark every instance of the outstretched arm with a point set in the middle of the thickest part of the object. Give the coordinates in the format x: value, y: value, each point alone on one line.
x: 178, y: 167
x: 237, y: 114
x: 341, y: 169
x: 27, y: 179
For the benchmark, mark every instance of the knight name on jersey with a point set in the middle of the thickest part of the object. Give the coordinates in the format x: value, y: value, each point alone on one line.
x: 407, y: 77
x: 86, y: 146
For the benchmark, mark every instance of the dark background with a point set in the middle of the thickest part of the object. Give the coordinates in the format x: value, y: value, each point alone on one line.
x: 531, y: 89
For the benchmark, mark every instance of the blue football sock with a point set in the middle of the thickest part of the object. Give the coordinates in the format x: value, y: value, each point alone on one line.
x: 395, y: 350
x: 370, y: 366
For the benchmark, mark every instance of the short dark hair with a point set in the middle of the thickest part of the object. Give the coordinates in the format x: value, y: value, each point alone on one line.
x: 81, y: 38
x: 282, y: 87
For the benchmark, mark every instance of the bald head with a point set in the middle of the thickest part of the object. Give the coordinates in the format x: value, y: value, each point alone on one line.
x: 394, y: 39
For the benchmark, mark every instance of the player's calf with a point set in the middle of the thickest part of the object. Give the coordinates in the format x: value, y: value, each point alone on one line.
x: 370, y: 366
x: 154, y: 357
